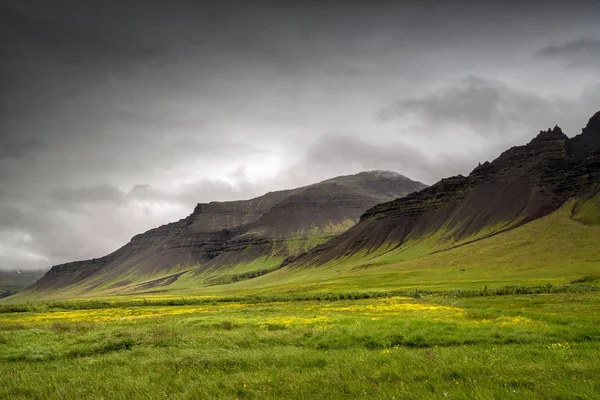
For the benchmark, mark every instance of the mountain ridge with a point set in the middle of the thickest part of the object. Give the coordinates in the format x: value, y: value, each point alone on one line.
x: 517, y: 210
x: 218, y: 235
x: 522, y: 184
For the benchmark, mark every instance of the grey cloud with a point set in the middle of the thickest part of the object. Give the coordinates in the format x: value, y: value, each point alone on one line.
x: 344, y: 152
x: 18, y: 147
x: 203, y: 190
x: 101, y: 193
x: 187, y: 194
x: 143, y: 191
x: 481, y: 103
x: 495, y: 110
x: 10, y: 216
x: 207, y: 190
x: 581, y: 51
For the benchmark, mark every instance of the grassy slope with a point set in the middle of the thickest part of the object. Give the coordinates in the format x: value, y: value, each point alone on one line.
x: 191, y: 279
x: 505, y: 347
x: 554, y: 249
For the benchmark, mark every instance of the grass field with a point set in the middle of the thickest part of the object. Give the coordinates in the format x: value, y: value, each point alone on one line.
x: 510, y: 316
x: 535, y: 346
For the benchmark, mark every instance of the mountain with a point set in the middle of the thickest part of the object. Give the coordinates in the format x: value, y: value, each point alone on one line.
x: 531, y: 216
x: 552, y: 181
x: 12, y: 282
x: 222, y: 242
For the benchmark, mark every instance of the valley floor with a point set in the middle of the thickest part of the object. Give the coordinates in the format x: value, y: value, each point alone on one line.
x: 491, y: 347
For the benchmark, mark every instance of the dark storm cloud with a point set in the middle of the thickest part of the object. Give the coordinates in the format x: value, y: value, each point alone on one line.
x: 117, y: 116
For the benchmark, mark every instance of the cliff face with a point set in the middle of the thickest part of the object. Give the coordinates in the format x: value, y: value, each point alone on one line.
x: 524, y: 183
x: 221, y: 234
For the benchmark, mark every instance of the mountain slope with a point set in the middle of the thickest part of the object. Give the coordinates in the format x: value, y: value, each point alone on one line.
x: 523, y: 184
x: 556, y: 249
x: 531, y: 216
x: 223, y: 241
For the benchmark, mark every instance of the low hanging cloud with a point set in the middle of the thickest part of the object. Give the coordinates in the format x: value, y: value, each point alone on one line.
x: 335, y: 154
x: 578, y: 52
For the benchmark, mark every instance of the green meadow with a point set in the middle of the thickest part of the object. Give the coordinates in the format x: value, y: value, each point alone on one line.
x: 479, y: 346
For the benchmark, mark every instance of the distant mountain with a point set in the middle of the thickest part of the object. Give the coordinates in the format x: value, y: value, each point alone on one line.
x: 523, y: 184
x: 12, y: 282
x: 222, y: 242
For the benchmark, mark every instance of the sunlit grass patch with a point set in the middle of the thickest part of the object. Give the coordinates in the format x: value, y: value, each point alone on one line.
x: 393, y: 306
x: 287, y: 321
x: 109, y: 314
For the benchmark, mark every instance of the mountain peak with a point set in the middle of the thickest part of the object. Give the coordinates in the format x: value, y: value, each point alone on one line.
x: 593, y: 125
x: 588, y: 142
x: 382, y: 173
x: 376, y: 175
x: 549, y: 135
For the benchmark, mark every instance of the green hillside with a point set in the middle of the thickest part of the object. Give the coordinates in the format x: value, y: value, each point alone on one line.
x: 558, y: 248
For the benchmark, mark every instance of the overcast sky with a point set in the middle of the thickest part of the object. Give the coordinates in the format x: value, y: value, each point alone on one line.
x: 118, y: 116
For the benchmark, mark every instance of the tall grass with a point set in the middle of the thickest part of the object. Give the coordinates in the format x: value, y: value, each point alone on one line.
x: 485, y: 344
x: 296, y: 297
